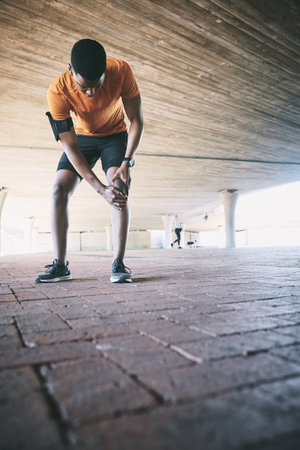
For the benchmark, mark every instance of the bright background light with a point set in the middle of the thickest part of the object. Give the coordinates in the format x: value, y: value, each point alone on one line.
x: 276, y: 206
x: 271, y: 216
x: 268, y: 217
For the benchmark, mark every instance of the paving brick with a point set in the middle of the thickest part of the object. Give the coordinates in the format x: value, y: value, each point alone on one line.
x: 36, y: 323
x: 96, y: 389
x: 95, y: 298
x: 236, y: 345
x: 6, y: 320
x: 291, y: 330
x: 50, y: 291
x: 68, y: 301
x: 37, y: 306
x: 26, y: 421
x: 138, y: 354
x: 113, y: 320
x: 28, y: 294
x: 286, y: 393
x: 9, y: 338
x: 16, y: 284
x: 68, y: 312
x: 233, y: 421
x: 108, y: 309
x: 292, y: 317
x: 10, y: 358
x: 291, y: 353
x: 4, y: 289
x: 224, y: 322
x: 87, y: 333
x: 7, y: 298
x: 10, y: 309
x: 155, y: 363
x: 211, y: 378
x: 231, y: 295
x: 279, y: 442
x: 269, y: 308
x: 169, y: 332
x: 7, y: 312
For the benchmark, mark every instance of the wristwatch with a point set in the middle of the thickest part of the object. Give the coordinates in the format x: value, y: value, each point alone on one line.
x: 130, y: 161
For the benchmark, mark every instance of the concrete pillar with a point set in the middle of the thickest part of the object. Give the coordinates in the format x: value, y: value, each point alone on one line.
x: 168, y: 221
x: 182, y: 236
x: 3, y: 194
x: 28, y: 225
x: 108, y: 231
x: 34, y: 243
x: 229, y: 199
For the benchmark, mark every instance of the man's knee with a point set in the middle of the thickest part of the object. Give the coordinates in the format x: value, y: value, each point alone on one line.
x: 65, y: 184
x: 60, y: 193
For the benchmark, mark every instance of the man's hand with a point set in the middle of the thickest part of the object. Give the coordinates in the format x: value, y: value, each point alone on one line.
x: 123, y: 173
x: 114, y: 197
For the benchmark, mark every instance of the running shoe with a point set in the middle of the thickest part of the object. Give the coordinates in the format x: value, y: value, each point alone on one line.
x: 57, y: 271
x: 120, y: 273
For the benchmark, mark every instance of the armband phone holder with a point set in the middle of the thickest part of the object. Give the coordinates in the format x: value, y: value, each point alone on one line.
x: 59, y: 126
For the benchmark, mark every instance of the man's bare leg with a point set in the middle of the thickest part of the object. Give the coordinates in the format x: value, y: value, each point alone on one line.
x: 120, y: 219
x: 120, y: 226
x: 65, y: 183
x: 64, y: 186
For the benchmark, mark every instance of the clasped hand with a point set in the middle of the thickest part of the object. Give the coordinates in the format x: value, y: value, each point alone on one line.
x: 115, y: 198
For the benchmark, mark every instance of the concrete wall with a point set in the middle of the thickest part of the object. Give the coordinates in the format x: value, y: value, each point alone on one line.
x: 90, y: 241
x: 16, y: 241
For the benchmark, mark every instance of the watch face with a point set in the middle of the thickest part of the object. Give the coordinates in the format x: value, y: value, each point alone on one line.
x: 131, y: 162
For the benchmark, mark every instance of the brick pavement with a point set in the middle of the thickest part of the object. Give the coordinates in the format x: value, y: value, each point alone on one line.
x: 202, y: 351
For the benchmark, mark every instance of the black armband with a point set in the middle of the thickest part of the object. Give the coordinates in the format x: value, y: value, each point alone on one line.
x: 59, y: 126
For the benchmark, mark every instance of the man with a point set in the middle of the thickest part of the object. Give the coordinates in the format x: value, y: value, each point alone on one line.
x: 178, y: 230
x: 95, y: 89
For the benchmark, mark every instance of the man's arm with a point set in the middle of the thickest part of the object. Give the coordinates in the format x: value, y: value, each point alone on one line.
x: 70, y: 145
x: 133, y: 109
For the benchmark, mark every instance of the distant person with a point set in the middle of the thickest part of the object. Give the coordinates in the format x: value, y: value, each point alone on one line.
x: 97, y: 90
x: 178, y: 230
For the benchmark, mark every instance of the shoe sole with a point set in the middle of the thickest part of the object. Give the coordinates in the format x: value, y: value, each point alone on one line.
x: 122, y: 278
x: 54, y: 280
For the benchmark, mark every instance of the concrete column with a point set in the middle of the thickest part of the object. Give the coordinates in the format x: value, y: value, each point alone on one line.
x: 108, y: 231
x: 28, y: 225
x: 3, y: 194
x: 34, y: 243
x: 182, y: 236
x: 229, y: 199
x: 167, y: 221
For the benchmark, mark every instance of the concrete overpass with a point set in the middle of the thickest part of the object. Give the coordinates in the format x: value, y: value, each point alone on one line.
x: 220, y: 87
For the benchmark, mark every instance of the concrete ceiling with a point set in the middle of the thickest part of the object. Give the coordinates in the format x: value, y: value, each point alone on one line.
x: 220, y: 87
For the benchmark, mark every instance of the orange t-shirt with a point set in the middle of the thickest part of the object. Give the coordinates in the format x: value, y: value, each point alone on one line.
x: 101, y: 114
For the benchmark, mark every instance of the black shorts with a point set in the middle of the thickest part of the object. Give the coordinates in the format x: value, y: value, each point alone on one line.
x: 111, y: 149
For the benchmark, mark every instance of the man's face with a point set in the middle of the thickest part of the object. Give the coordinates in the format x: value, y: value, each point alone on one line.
x: 88, y: 88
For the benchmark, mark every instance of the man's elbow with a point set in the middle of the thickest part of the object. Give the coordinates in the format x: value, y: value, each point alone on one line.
x: 139, y: 121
